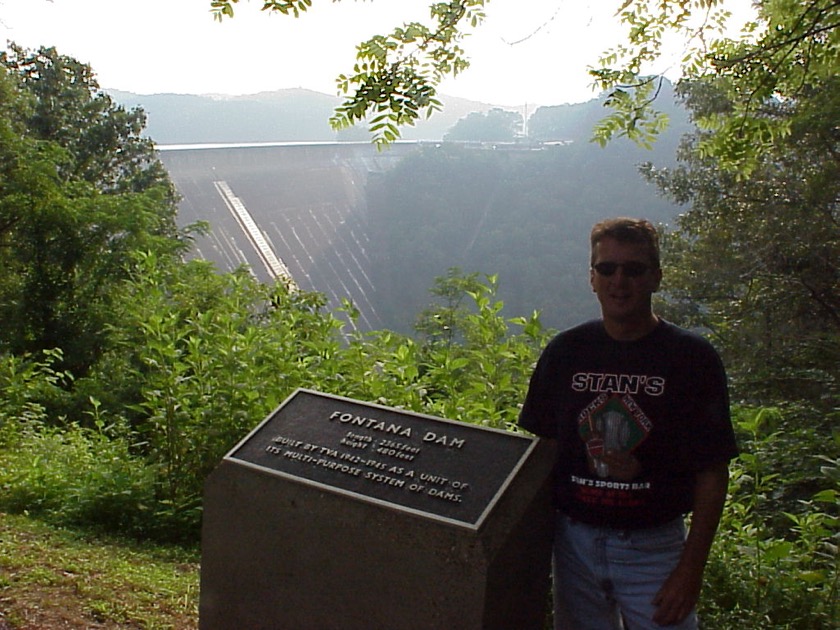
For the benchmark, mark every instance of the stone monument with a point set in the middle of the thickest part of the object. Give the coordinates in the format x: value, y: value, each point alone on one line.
x: 334, y: 513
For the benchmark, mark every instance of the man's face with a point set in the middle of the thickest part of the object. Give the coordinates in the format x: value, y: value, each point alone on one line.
x: 625, y: 297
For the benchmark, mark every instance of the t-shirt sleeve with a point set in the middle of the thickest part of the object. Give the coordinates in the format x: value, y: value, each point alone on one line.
x: 539, y: 411
x: 713, y: 438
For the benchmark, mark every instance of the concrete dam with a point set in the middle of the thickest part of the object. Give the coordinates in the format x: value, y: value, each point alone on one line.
x: 290, y: 211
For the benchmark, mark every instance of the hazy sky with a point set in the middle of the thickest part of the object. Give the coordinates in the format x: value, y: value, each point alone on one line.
x: 528, y: 51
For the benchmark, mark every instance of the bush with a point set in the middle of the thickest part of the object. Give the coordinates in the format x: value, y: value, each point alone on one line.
x: 203, y: 358
x: 775, y: 559
x: 75, y: 476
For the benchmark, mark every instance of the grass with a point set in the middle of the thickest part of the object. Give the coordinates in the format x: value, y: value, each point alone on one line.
x: 54, y: 578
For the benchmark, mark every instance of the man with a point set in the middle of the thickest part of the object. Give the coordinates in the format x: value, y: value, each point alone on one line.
x: 640, y: 411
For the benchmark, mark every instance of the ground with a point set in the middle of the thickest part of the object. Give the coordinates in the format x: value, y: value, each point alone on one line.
x: 54, y: 578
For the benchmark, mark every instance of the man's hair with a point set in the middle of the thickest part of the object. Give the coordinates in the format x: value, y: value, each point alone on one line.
x: 626, y: 230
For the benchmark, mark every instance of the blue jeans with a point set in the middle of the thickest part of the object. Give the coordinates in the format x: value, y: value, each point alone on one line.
x: 606, y: 579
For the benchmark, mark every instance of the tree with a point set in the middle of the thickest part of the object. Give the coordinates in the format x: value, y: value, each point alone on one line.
x: 497, y: 125
x: 199, y: 357
x: 790, y: 50
x: 67, y: 107
x: 81, y: 191
x: 756, y: 260
x: 575, y: 122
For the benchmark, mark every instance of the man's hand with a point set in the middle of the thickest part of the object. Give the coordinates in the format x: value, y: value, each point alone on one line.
x: 680, y: 592
x: 678, y: 596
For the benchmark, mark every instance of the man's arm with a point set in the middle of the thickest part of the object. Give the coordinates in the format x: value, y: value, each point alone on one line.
x: 679, y: 595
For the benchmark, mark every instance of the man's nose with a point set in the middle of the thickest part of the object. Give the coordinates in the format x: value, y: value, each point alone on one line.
x: 620, y: 275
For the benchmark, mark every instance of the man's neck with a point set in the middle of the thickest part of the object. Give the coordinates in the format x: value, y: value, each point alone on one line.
x: 632, y: 329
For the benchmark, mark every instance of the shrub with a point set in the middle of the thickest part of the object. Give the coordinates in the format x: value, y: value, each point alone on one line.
x: 775, y: 560
x: 75, y: 476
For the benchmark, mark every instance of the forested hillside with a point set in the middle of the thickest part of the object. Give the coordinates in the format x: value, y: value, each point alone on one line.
x: 521, y: 214
x: 521, y: 210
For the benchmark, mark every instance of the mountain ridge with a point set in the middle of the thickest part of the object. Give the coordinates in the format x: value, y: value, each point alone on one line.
x: 290, y: 114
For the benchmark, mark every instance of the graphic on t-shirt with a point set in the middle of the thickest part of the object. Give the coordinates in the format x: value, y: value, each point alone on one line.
x: 611, y: 423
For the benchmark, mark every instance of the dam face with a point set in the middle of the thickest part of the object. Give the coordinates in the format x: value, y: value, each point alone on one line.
x: 291, y: 211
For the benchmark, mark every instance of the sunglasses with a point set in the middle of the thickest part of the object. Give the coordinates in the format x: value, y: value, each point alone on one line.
x: 631, y: 269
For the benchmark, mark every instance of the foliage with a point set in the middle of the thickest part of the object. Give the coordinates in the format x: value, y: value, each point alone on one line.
x: 29, y: 387
x: 80, y: 191
x: 775, y: 563
x: 195, y: 354
x: 790, y: 50
x: 630, y: 93
x: 102, y: 141
x: 476, y: 367
x: 496, y: 125
x: 755, y: 261
x: 199, y: 358
x: 396, y: 76
x: 469, y: 364
x: 518, y: 211
x: 77, y: 476
x: 65, y: 472
x: 202, y: 357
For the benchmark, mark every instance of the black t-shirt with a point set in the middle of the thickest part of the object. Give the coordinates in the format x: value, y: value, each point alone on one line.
x: 662, y: 397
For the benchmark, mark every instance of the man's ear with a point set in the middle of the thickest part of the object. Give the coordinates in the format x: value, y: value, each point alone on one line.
x: 658, y: 278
